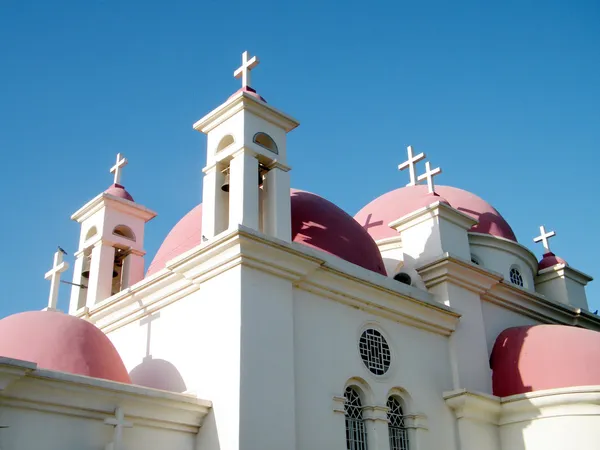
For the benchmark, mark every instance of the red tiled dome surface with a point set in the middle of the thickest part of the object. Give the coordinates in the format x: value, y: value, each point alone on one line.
x: 316, y: 223
x: 60, y: 342
x: 395, y: 204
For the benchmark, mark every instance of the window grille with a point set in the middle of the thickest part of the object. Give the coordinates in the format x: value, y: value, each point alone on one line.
x: 516, y: 277
x: 356, y: 433
x: 396, y: 426
x: 375, y: 351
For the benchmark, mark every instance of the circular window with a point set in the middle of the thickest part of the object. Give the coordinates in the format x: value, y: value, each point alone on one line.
x: 375, y: 351
x: 516, y: 277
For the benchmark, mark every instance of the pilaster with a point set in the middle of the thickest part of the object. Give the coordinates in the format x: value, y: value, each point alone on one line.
x: 243, y: 190
x: 376, y: 423
x: 77, y: 292
x: 277, y: 221
x: 101, y: 273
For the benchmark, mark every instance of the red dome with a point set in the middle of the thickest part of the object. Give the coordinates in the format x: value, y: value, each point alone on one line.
x: 57, y: 341
x: 119, y: 191
x: 248, y: 90
x: 550, y: 260
x: 316, y: 223
x: 376, y: 216
x: 533, y: 358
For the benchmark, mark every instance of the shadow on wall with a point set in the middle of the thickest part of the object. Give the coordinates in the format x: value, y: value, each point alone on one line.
x: 158, y: 374
x: 505, y: 361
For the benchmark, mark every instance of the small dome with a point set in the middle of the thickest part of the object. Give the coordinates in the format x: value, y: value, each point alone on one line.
x: 534, y: 358
x: 119, y: 191
x: 395, y: 204
x: 550, y: 260
x: 316, y: 223
x: 248, y: 90
x: 60, y: 342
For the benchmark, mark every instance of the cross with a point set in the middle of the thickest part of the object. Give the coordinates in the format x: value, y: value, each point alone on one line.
x: 119, y: 423
x: 116, y: 169
x: 412, y: 160
x: 244, y: 70
x: 544, y: 237
x: 148, y: 321
x: 54, y: 276
x: 428, y: 175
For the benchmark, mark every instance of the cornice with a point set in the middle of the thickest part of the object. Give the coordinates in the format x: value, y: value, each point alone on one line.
x: 436, y: 209
x: 391, y: 243
x: 12, y: 370
x: 244, y: 101
x: 306, y: 268
x: 540, y: 308
x: 452, y: 269
x: 562, y: 270
x: 474, y: 406
x: 104, y: 200
x: 92, y: 398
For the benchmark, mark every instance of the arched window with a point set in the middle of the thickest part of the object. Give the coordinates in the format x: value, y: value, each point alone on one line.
x: 226, y: 141
x: 266, y: 141
x: 91, y: 233
x: 124, y: 231
x: 356, y: 433
x: 396, y: 425
x: 515, y: 277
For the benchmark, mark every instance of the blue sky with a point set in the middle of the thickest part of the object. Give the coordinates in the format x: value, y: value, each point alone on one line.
x: 503, y: 96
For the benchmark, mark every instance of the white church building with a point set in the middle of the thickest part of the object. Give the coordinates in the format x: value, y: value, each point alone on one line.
x: 270, y: 319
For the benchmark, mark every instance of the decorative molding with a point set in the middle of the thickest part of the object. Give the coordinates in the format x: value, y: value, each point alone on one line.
x: 92, y: 398
x: 474, y: 406
x: 338, y: 404
x: 308, y: 269
x: 244, y: 101
x: 13, y: 369
x: 437, y: 209
x: 452, y: 269
x: 104, y: 200
x: 562, y: 271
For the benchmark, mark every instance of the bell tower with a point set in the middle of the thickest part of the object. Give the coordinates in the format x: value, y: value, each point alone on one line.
x: 110, y: 256
x: 246, y: 178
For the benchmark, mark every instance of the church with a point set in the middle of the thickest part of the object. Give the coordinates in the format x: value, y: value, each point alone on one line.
x: 448, y: 333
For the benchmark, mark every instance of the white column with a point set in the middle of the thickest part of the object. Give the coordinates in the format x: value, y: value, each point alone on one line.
x: 376, y: 423
x: 77, y: 294
x: 101, y: 273
x: 215, y: 202
x: 133, y: 269
x: 277, y: 218
x: 243, y: 190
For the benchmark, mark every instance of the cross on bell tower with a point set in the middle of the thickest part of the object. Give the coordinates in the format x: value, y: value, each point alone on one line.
x: 246, y: 178
x: 245, y: 69
x: 410, y: 165
x: 544, y: 237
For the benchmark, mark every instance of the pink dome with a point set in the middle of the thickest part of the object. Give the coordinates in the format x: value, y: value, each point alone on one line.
x: 550, y: 260
x: 60, y: 342
x: 395, y: 204
x: 316, y: 223
x: 248, y: 90
x: 119, y: 191
x: 534, y: 358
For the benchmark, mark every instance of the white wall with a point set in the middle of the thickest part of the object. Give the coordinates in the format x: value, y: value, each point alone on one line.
x: 326, y: 356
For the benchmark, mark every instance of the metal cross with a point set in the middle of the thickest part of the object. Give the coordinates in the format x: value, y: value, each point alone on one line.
x: 244, y: 70
x: 53, y: 275
x: 410, y: 164
x: 428, y: 175
x: 117, y: 168
x: 544, y: 237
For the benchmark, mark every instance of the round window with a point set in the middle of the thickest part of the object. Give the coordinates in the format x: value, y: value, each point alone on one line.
x: 375, y: 351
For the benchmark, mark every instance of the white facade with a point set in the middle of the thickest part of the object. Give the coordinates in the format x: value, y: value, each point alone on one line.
x: 250, y: 340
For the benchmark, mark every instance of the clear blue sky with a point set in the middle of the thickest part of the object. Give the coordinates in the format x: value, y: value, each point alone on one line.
x: 504, y: 96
